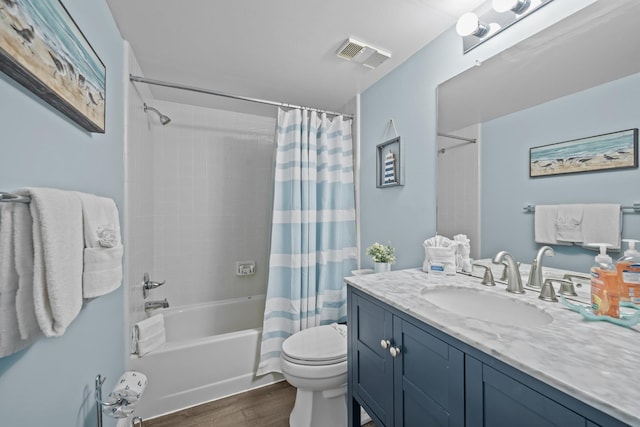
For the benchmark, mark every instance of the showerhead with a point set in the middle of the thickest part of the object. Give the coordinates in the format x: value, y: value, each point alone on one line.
x: 163, y: 119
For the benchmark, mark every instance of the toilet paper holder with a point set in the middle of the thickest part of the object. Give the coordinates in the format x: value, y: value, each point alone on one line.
x: 98, y: 397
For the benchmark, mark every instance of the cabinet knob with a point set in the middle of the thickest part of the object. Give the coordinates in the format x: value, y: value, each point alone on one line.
x: 385, y: 344
x: 394, y: 351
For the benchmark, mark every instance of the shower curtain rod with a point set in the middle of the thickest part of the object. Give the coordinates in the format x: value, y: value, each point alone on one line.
x: 227, y: 95
x: 461, y: 138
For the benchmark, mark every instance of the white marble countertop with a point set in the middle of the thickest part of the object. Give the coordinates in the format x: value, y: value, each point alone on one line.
x: 595, y: 362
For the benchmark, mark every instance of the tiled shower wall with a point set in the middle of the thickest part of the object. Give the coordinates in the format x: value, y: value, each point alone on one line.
x: 212, y: 193
x: 138, y: 192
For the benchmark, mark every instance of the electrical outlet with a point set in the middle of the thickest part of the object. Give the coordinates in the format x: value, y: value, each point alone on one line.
x: 245, y: 268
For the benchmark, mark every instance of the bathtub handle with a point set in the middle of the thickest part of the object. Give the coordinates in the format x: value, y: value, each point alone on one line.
x: 149, y: 284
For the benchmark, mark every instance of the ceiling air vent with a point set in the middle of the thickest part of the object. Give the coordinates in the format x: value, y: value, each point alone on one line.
x: 363, y: 54
x: 350, y: 49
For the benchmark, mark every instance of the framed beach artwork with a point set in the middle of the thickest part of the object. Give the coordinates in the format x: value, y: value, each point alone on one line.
x: 42, y: 48
x: 615, y: 150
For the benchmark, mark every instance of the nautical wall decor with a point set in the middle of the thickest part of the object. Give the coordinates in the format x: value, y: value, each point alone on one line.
x: 388, y: 163
x: 615, y: 150
x: 42, y: 48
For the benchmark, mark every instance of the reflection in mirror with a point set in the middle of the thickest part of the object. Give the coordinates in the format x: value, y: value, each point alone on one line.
x: 584, y: 61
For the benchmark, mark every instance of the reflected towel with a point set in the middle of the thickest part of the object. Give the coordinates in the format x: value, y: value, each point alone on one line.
x: 149, y: 334
x: 602, y: 223
x: 569, y: 223
x: 102, y: 266
x: 545, y: 225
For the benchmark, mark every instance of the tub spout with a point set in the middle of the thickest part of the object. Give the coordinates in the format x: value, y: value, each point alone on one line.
x: 152, y: 305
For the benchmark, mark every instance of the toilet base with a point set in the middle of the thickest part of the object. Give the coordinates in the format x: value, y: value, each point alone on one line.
x: 319, y: 409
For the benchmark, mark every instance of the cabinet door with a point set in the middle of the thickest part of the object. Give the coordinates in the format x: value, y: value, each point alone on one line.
x: 372, y: 368
x: 429, y: 379
x: 497, y: 400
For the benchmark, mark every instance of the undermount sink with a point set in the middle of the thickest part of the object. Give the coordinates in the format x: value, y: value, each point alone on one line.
x: 487, y: 306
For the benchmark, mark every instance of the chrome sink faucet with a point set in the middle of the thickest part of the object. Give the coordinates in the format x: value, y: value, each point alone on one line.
x: 535, y: 275
x: 514, y: 281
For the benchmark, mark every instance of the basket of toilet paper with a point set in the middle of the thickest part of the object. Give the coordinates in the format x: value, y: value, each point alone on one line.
x: 444, y: 256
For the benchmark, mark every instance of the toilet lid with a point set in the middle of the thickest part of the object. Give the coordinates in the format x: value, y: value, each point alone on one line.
x: 321, y: 345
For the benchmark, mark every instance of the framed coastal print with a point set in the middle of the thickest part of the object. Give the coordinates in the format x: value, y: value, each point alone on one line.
x: 615, y: 150
x: 42, y: 48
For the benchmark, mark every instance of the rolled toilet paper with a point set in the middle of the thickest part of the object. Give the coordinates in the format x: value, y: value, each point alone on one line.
x: 128, y: 391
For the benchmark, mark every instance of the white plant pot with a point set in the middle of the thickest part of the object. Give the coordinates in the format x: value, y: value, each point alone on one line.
x: 381, y: 267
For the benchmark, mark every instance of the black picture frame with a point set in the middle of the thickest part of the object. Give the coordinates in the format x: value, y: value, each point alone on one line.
x: 394, y: 147
x: 42, y: 48
x: 605, y: 152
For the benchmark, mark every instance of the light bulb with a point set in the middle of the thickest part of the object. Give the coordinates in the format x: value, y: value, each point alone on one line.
x: 469, y: 24
x: 516, y: 6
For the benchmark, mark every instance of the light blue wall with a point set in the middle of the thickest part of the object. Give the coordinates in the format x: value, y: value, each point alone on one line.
x: 406, y: 215
x: 507, y: 188
x: 51, y: 383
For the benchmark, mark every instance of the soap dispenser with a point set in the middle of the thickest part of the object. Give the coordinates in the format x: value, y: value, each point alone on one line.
x: 605, y: 291
x: 628, y: 268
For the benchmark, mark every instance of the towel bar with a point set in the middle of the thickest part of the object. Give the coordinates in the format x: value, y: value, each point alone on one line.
x: 635, y: 208
x: 10, y: 197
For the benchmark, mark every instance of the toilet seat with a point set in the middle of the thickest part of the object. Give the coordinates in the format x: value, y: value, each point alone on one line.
x: 317, y: 346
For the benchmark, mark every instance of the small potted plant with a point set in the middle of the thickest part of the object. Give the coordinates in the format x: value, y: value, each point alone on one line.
x: 383, y: 256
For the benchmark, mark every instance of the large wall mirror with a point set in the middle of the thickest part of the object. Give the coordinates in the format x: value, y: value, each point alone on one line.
x: 577, y: 78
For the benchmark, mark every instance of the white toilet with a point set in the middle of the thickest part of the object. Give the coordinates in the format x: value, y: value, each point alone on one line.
x: 315, y: 362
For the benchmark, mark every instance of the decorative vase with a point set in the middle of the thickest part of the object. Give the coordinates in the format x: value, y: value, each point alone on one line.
x: 381, y: 267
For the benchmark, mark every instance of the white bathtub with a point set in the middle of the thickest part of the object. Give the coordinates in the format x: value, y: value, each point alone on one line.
x: 212, y: 351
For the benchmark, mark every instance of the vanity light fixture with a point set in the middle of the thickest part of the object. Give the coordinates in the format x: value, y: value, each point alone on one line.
x: 470, y: 25
x: 515, y: 6
x: 476, y: 29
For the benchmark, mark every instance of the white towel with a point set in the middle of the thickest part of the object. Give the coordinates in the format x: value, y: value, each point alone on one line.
x: 58, y: 248
x: 129, y: 389
x: 569, y: 223
x: 23, y: 243
x: 150, y: 334
x: 102, y: 270
x: 10, y: 341
x: 545, y: 225
x: 602, y: 223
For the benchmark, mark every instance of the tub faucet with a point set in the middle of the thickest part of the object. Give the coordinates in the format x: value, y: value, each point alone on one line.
x: 535, y: 275
x: 514, y: 282
x: 152, y: 305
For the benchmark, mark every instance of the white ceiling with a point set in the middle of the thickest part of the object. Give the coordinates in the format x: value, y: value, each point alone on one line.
x: 279, y: 50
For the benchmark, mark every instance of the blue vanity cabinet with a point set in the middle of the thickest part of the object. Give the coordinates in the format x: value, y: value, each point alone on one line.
x: 494, y: 399
x: 431, y: 379
x: 402, y: 375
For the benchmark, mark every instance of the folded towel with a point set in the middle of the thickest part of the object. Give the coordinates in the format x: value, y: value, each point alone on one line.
x: 10, y: 341
x: 150, y: 334
x: 128, y: 390
x: 58, y: 249
x: 8, y: 274
x: 102, y: 271
x: 23, y: 241
x: 569, y: 223
x: 439, y: 255
x: 545, y: 225
x: 602, y: 223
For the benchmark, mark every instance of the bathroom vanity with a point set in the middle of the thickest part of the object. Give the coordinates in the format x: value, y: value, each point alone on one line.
x: 417, y: 358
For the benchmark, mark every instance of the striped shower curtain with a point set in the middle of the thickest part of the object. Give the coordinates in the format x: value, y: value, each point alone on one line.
x: 313, y: 235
